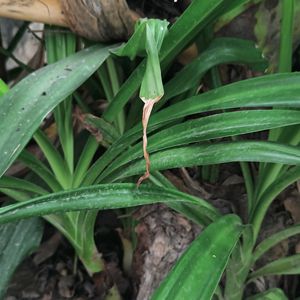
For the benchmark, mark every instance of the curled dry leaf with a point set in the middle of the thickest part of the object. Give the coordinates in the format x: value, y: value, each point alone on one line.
x: 148, y: 106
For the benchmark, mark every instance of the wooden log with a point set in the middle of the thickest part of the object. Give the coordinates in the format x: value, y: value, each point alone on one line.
x: 41, y: 11
x: 99, y: 20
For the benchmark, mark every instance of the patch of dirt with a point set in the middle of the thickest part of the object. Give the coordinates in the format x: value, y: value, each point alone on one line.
x: 163, y: 235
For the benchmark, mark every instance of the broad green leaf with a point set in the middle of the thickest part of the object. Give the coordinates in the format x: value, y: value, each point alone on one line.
x: 208, y: 128
x: 283, y: 266
x: 195, y: 155
x: 199, y: 270
x: 274, y: 239
x: 281, y: 90
x: 107, y: 196
x: 18, y: 239
x: 272, y: 294
x: 26, y: 104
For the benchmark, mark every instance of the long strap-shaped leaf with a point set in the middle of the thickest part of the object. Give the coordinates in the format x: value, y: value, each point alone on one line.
x: 220, y: 51
x: 281, y: 90
x: 259, y: 211
x: 275, y: 239
x: 107, y: 196
x: 214, y: 154
x: 282, y: 266
x: 207, y: 128
x: 272, y: 294
x: 24, y: 106
x: 198, y: 271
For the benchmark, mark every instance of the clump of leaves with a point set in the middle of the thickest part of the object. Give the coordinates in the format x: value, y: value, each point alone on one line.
x: 180, y: 132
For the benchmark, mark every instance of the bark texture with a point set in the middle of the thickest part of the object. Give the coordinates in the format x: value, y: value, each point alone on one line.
x: 101, y: 20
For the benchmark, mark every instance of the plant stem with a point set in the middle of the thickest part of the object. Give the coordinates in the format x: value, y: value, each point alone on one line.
x: 57, y: 164
x: 286, y: 36
x: 85, y: 160
x: 115, y: 85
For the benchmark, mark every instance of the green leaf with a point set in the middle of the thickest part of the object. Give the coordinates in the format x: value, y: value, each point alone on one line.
x: 195, y: 18
x: 18, y: 240
x: 21, y: 184
x: 272, y: 294
x: 138, y: 42
x: 283, y: 266
x: 220, y: 51
x: 55, y: 160
x: 191, y: 212
x: 15, y: 194
x: 105, y: 132
x: 267, y: 30
x: 3, y: 87
x: 237, y: 269
x: 36, y: 166
x: 281, y: 90
x: 286, y: 36
x: 26, y: 104
x: 274, y: 239
x: 208, y: 128
x: 199, y: 270
x: 152, y: 86
x: 213, y: 154
x: 107, y: 196
x: 146, y: 42
x: 85, y: 160
x: 236, y: 10
x: 59, y: 45
x: 269, y: 173
x: 282, y: 182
